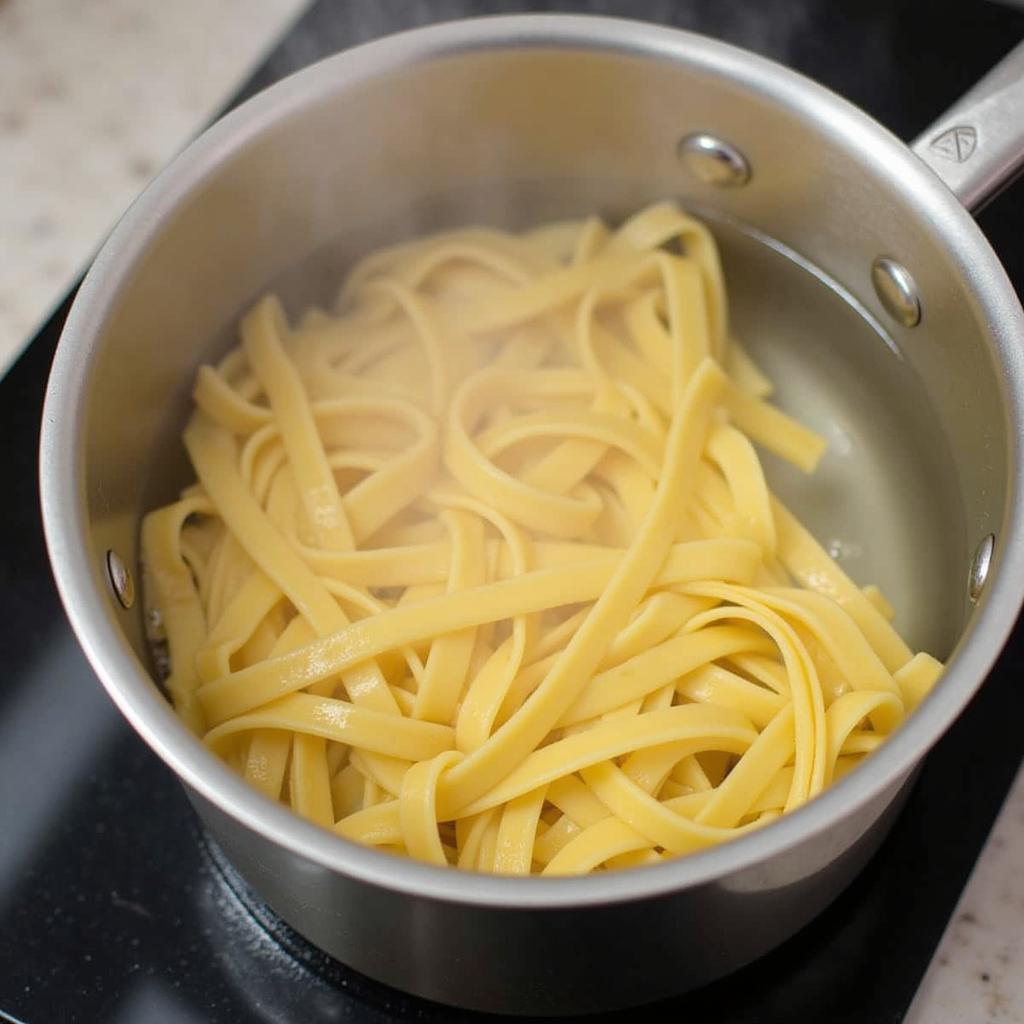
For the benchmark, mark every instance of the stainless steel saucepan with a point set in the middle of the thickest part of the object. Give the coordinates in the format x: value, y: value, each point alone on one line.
x: 856, y: 277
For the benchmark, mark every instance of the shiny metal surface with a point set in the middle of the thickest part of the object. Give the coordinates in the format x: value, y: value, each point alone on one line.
x: 977, y: 146
x: 981, y: 563
x: 338, y: 157
x: 887, y: 461
x: 714, y: 161
x: 121, y: 580
x: 896, y: 291
x: 546, y: 957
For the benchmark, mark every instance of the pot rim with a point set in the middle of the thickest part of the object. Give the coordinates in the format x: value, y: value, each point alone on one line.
x: 86, y: 596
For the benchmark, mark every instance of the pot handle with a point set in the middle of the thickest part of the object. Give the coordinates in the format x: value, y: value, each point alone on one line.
x: 977, y: 146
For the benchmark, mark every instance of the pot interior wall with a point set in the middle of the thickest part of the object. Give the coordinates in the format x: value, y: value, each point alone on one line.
x: 513, y: 137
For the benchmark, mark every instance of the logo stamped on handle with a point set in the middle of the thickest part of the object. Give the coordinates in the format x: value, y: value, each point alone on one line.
x: 956, y: 144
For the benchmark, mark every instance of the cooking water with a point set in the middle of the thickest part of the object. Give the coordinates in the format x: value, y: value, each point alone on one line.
x: 883, y: 500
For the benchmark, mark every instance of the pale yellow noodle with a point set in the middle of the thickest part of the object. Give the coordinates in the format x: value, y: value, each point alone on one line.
x: 483, y: 568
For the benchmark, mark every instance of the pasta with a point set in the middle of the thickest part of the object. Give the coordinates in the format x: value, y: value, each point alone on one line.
x: 483, y: 568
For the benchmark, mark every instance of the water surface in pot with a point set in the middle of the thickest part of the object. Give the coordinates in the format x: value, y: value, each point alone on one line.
x: 883, y: 501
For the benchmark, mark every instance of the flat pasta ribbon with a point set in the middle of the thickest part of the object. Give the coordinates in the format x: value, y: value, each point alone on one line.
x: 482, y: 568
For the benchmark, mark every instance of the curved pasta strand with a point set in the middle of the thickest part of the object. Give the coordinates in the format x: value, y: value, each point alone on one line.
x: 225, y: 406
x: 535, y: 591
x: 262, y: 331
x: 657, y: 617
x: 659, y: 223
x: 251, y: 603
x: 659, y: 823
x: 476, y: 834
x: 845, y: 714
x: 563, y: 516
x: 393, y: 735
x: 694, y: 727
x: 917, y: 678
x: 513, y: 853
x: 545, y: 294
x: 632, y: 577
x: 773, y: 429
x: 605, y: 428
x: 266, y: 761
x: 713, y: 684
x: 309, y: 781
x: 734, y: 797
x: 376, y: 825
x: 805, y: 558
x: 172, y: 591
x: 595, y: 845
x: 417, y: 811
x: 805, y: 691
x: 663, y: 663
x: 211, y: 453
x: 735, y: 457
x: 446, y: 666
x: 483, y: 569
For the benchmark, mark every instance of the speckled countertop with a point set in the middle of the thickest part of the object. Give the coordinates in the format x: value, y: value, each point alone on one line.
x: 94, y: 98
x: 977, y: 974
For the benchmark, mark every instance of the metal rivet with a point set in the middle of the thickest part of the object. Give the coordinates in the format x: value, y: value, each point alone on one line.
x: 980, y: 565
x: 896, y: 290
x: 713, y: 160
x: 120, y: 579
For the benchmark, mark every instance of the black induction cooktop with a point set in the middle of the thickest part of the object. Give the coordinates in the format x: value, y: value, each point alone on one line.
x: 114, y: 907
